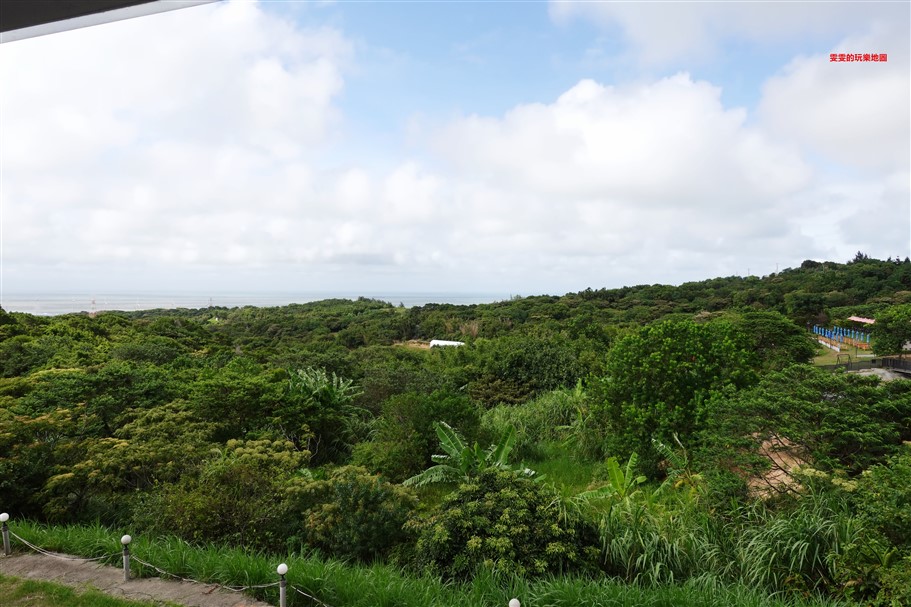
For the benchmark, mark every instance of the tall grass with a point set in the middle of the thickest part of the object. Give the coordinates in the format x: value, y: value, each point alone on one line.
x: 655, y: 545
x: 796, y: 550
x: 344, y: 585
x: 655, y: 542
x: 562, y: 469
x: 547, y: 418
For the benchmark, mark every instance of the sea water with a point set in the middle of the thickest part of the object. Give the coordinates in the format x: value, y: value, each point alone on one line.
x: 52, y: 304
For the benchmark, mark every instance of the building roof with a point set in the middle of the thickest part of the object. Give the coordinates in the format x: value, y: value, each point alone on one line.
x: 442, y: 342
x: 861, y: 319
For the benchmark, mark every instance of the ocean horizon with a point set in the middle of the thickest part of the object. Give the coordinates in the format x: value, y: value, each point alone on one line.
x: 54, y: 304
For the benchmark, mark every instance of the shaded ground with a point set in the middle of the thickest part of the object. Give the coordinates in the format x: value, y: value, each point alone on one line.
x: 784, y: 456
x: 110, y: 581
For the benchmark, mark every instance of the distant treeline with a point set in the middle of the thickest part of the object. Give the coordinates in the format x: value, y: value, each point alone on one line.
x: 815, y: 292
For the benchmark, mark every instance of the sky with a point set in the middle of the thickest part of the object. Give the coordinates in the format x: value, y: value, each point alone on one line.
x: 510, y: 147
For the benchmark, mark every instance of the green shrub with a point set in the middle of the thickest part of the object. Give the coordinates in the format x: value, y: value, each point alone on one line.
x: 512, y: 368
x: 895, y: 590
x: 385, y: 372
x: 405, y: 439
x: 659, y: 380
x: 500, y: 521
x: 776, y: 341
x: 461, y: 462
x: 883, y: 499
x: 239, y: 496
x: 318, y: 408
x: 517, y: 367
x: 892, y: 329
x: 866, y: 569
x: 153, y: 349
x: 833, y: 422
x: 353, y: 514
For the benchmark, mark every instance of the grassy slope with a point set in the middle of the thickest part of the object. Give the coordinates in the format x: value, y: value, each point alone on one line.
x: 344, y: 585
x: 32, y: 593
x: 564, y: 471
x: 825, y: 356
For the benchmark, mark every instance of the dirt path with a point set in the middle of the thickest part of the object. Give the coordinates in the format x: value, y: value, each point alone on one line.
x: 110, y: 580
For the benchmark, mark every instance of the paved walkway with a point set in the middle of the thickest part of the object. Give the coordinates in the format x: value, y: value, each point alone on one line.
x: 110, y: 580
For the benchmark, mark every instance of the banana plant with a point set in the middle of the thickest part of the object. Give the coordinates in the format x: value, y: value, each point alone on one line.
x: 624, y: 481
x: 461, y: 462
x: 679, y: 470
x: 622, y: 485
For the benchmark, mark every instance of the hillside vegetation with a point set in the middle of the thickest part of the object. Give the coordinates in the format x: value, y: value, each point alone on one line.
x: 625, y: 434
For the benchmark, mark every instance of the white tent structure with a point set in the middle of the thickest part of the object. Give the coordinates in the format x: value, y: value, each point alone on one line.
x: 442, y: 343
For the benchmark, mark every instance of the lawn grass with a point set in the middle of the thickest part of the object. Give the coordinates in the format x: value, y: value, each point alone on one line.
x: 16, y: 592
x: 825, y: 356
x: 567, y: 473
x: 341, y: 584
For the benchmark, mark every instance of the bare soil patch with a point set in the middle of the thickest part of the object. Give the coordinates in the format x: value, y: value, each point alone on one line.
x: 784, y: 457
x: 415, y: 344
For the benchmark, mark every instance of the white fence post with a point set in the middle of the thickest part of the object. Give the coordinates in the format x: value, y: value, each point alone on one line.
x: 125, y: 540
x: 6, y: 549
x: 282, y: 586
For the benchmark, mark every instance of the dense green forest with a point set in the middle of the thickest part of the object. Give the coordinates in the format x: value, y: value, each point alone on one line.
x: 652, y: 434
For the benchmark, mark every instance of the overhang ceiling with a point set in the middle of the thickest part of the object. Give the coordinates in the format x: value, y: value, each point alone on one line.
x: 28, y: 18
x: 19, y: 14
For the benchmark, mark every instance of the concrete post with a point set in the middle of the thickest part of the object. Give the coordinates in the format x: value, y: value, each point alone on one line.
x: 282, y: 585
x: 125, y: 540
x: 6, y: 548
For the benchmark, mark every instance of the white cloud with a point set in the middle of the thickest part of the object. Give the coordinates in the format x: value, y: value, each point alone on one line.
x: 647, y: 180
x: 192, y: 145
x: 671, y: 139
x: 855, y: 119
x: 184, y: 137
x: 410, y: 196
x: 843, y: 216
x: 671, y: 32
x: 856, y: 114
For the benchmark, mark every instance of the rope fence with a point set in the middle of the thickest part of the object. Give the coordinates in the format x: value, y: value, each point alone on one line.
x: 127, y: 556
x: 63, y: 557
x: 282, y: 569
x: 168, y: 574
x: 309, y: 596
